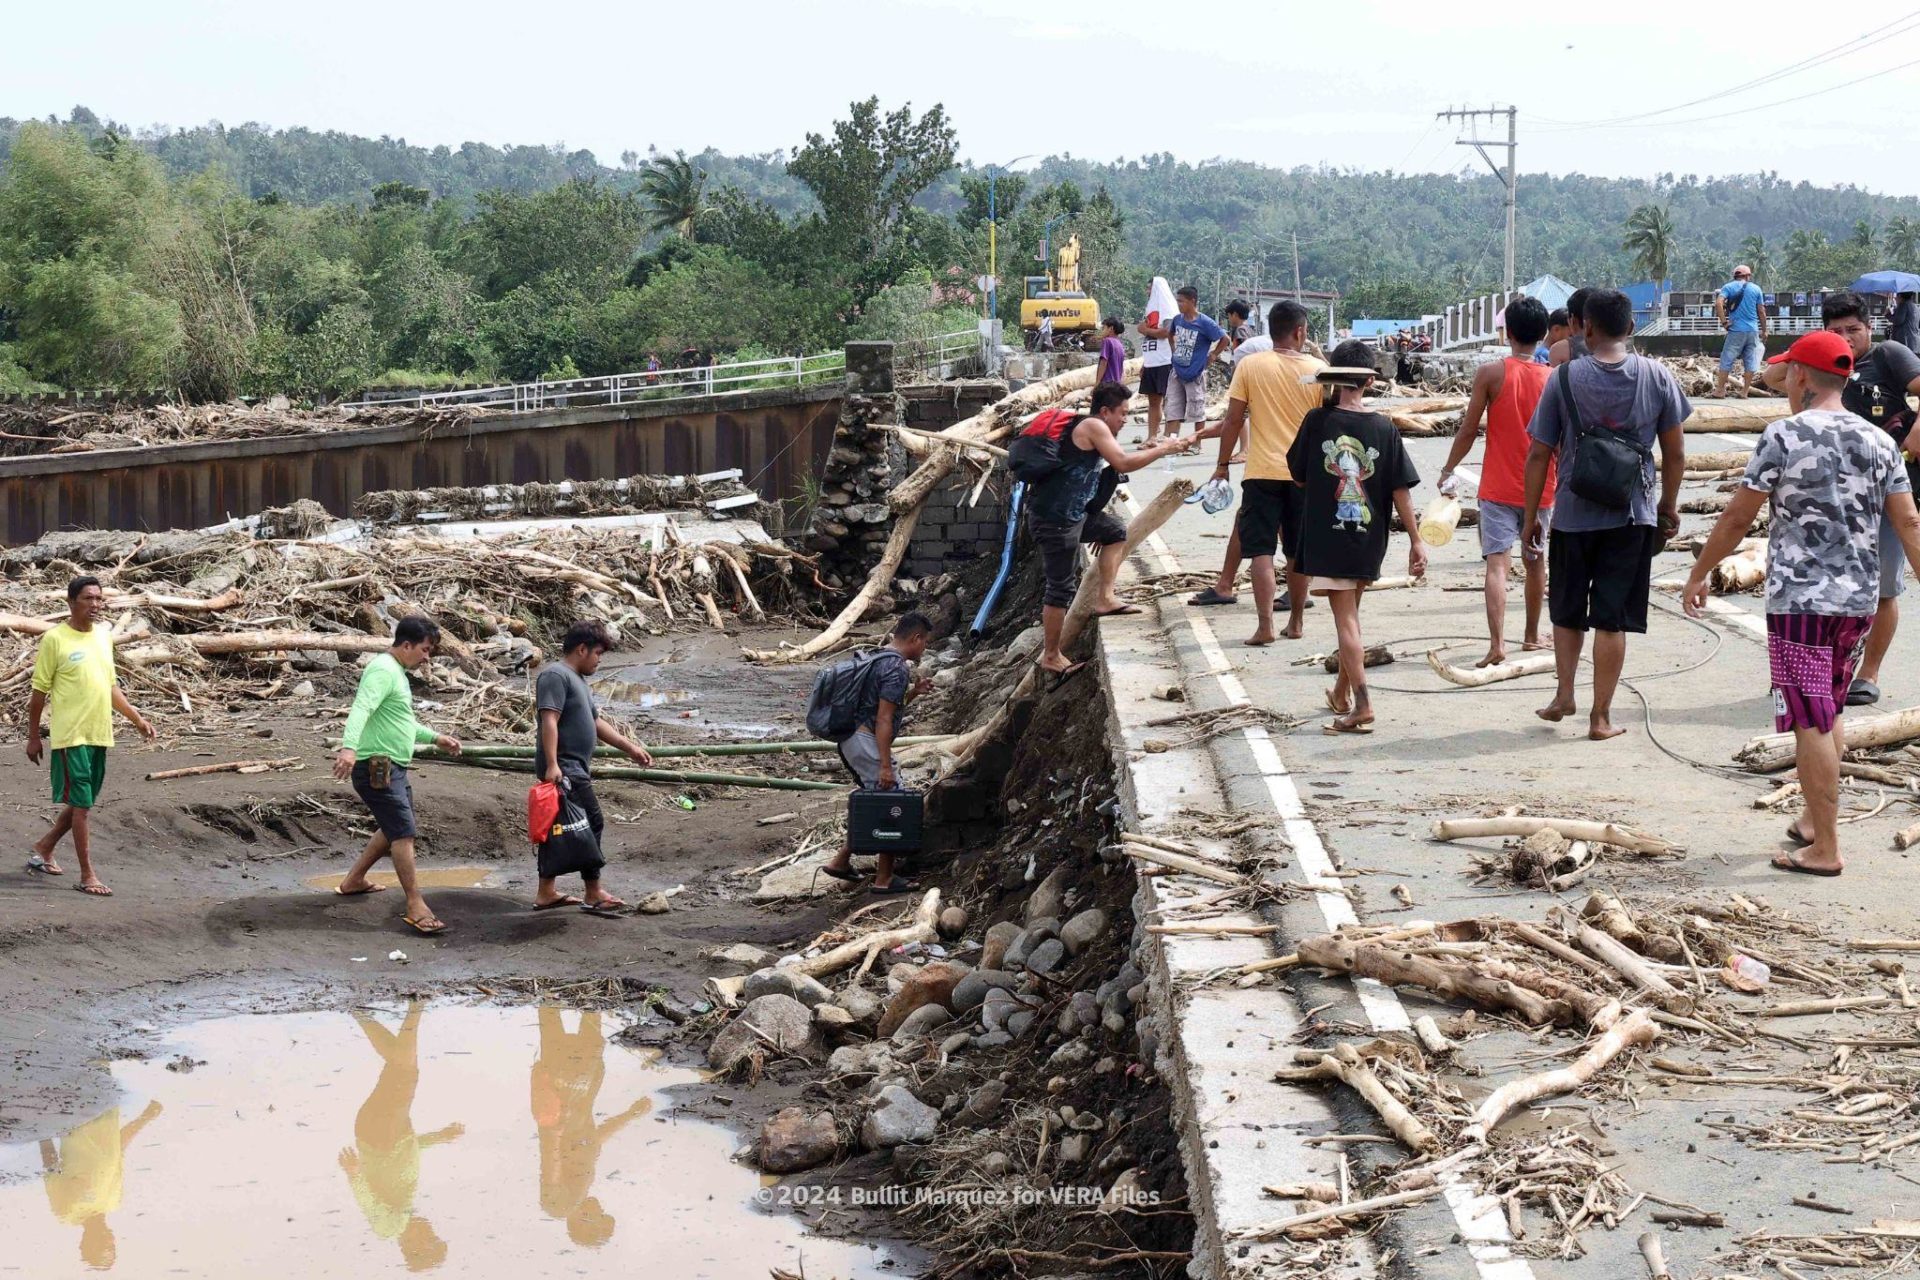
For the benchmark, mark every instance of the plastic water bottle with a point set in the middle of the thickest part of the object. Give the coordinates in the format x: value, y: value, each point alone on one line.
x: 1750, y: 969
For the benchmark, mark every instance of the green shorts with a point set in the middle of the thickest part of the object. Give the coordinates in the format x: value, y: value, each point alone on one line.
x: 78, y: 775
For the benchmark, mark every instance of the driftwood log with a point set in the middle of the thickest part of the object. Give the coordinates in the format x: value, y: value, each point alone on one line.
x: 1449, y: 979
x: 1634, y: 1031
x: 1774, y: 751
x: 1744, y: 417
x: 993, y: 423
x: 865, y: 948
x: 1571, y: 828
x: 1531, y: 664
x: 1345, y: 1065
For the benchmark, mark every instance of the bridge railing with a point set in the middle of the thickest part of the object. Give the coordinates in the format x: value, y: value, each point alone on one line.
x: 939, y: 356
x: 645, y: 386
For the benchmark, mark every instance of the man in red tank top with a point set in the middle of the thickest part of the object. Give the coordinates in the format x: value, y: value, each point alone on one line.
x: 1504, y: 394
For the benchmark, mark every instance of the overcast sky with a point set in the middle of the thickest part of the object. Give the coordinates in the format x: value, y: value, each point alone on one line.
x: 1351, y: 85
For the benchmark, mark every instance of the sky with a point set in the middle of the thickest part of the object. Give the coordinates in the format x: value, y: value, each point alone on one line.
x: 1352, y: 85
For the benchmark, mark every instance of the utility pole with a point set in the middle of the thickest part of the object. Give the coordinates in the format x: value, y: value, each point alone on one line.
x: 1296, y: 266
x: 1509, y: 177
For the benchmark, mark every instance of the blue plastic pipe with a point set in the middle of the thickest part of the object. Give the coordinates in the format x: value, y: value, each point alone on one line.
x: 1006, y: 562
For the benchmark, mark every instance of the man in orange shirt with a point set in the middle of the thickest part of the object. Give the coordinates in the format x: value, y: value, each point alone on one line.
x: 1505, y: 393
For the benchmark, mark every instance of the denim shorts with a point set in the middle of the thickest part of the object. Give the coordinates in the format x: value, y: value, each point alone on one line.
x: 1186, y: 399
x: 1740, y: 346
x: 392, y: 809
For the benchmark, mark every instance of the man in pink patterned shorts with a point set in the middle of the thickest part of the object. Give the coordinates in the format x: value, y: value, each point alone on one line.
x: 1830, y: 475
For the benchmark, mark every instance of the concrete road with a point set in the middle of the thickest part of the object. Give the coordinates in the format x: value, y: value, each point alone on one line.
x: 1698, y: 691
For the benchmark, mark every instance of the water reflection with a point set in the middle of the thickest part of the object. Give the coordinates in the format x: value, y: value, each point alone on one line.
x: 566, y: 1088
x: 85, y: 1176
x: 383, y: 1165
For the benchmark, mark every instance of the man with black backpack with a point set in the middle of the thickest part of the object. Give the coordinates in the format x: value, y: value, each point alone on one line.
x: 1602, y: 414
x: 1058, y: 455
x: 856, y: 702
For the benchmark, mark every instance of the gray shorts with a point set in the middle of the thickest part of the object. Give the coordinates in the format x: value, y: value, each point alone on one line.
x: 392, y: 809
x: 1186, y: 401
x: 1893, y: 560
x: 861, y: 754
x: 1501, y: 525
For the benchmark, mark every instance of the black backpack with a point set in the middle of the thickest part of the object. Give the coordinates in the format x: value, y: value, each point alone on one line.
x: 1035, y: 452
x: 1607, y: 467
x: 833, y: 708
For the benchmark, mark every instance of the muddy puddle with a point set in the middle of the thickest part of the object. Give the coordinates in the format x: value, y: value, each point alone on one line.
x: 429, y: 878
x: 476, y: 1142
x: 699, y: 682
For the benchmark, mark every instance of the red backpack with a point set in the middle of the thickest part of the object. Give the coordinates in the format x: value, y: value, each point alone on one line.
x: 1035, y: 452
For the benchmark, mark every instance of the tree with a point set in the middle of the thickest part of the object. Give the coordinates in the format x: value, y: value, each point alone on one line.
x: 1863, y: 236
x: 1753, y: 250
x: 1903, y: 242
x: 676, y: 194
x: 1650, y: 238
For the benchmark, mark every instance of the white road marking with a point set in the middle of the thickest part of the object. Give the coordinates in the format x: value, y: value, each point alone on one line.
x: 1480, y: 1217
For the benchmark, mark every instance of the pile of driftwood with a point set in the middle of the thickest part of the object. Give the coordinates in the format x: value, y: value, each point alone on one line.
x: 35, y: 427
x: 1696, y: 375
x: 582, y: 498
x: 237, y: 617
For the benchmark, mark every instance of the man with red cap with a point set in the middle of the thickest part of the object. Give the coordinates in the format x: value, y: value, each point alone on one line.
x: 1831, y: 477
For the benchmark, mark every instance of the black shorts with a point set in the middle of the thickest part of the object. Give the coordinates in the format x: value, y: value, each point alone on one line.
x: 1270, y: 518
x: 1153, y: 381
x: 1599, y: 578
x: 392, y: 809
x: 1060, y: 552
x: 580, y: 791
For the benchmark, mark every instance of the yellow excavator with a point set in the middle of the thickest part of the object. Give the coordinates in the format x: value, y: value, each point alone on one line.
x: 1058, y: 297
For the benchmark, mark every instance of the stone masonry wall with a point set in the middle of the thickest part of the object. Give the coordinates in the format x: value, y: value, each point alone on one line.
x: 950, y: 533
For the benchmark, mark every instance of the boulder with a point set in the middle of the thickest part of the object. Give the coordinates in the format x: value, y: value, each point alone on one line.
x: 897, y: 1117
x: 971, y: 990
x: 1025, y: 645
x: 784, y: 982
x: 1084, y: 1008
x: 654, y: 904
x: 994, y: 952
x: 744, y: 954
x: 952, y: 922
x: 772, y: 1025
x: 1030, y: 937
x: 933, y: 984
x: 834, y: 1021
x: 983, y: 1103
x: 858, y: 1059
x: 1083, y: 930
x: 998, y: 1006
x: 1073, y: 1149
x: 1047, y: 956
x: 992, y: 1040
x: 922, y: 1021
x: 795, y: 1138
x: 800, y: 880
x: 861, y: 1003
x: 1048, y: 897
x: 1017, y: 1023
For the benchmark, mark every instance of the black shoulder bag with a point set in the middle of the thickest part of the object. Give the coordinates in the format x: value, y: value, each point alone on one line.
x: 1606, y: 466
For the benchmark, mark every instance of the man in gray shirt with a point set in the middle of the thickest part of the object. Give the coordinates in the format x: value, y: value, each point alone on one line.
x: 569, y: 729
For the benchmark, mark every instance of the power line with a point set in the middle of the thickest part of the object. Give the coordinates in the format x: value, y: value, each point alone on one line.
x: 1768, y: 106
x: 1805, y: 64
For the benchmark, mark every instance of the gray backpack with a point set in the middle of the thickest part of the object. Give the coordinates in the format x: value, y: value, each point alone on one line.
x: 833, y: 708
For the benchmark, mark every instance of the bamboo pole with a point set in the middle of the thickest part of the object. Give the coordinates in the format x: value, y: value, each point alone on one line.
x: 525, y: 751
x: 675, y: 776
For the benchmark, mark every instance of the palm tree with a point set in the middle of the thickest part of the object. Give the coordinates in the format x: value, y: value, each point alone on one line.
x: 676, y: 190
x: 1650, y: 240
x: 1903, y: 241
x: 1862, y: 237
x: 1753, y: 250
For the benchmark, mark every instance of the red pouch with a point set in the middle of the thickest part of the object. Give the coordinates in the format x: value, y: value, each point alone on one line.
x: 543, y: 806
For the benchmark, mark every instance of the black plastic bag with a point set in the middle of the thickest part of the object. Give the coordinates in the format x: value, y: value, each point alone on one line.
x: 570, y: 848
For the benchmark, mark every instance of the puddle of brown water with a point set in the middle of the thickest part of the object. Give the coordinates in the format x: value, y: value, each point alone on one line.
x: 475, y: 1141
x: 429, y: 877
x: 644, y: 696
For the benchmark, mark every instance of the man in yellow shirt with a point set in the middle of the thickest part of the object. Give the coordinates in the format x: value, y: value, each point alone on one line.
x: 1268, y: 396
x: 74, y: 671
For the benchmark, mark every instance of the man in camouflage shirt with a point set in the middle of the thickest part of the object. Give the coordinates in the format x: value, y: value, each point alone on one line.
x: 1831, y: 475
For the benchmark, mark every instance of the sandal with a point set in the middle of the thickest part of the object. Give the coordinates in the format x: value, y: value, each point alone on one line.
x: 1124, y: 610
x: 429, y: 926
x: 40, y: 867
x: 565, y: 900
x: 1210, y: 596
x: 845, y: 874
x: 359, y: 893
x: 609, y: 907
x: 897, y: 885
x: 1336, y: 706
x: 94, y: 890
x: 1787, y: 862
x: 1061, y: 677
x: 1862, y: 693
x: 1793, y: 834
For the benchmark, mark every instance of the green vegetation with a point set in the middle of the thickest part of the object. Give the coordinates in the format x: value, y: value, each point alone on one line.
x: 217, y: 261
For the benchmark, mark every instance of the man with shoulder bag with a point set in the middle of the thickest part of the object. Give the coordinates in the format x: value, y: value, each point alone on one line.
x: 1600, y: 416
x: 856, y: 702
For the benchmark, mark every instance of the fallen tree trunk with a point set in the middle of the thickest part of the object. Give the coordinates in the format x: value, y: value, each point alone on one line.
x: 1774, y: 751
x: 990, y: 424
x: 1532, y: 664
x: 1571, y: 828
x: 1728, y: 461
x: 231, y: 766
x: 1451, y: 980
x: 1745, y: 417
x: 1635, y: 1031
x: 1378, y: 655
x: 1345, y: 1065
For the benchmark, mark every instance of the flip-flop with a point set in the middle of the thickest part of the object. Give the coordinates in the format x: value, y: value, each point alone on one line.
x: 898, y: 885
x: 1338, y: 708
x: 1210, y: 596
x: 847, y: 875
x: 1061, y: 677
x: 1787, y: 862
x: 1862, y: 693
x: 95, y: 890
x: 1122, y: 611
x: 421, y: 926
x: 609, y: 909
x: 1793, y: 834
x: 359, y: 893
x: 1352, y: 728
x: 38, y: 866
x: 567, y: 900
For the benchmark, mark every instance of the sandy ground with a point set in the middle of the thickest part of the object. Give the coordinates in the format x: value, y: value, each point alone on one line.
x: 211, y: 912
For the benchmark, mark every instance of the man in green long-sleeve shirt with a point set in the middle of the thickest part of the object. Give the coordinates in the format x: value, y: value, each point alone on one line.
x: 375, y: 750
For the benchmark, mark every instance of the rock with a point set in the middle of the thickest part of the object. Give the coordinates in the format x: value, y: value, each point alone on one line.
x: 1025, y: 645
x: 1047, y: 956
x: 771, y: 1025
x: 993, y: 953
x: 795, y: 1138
x: 933, y: 984
x: 801, y: 880
x: 1113, y: 1022
x: 744, y: 954
x: 1083, y: 930
x: 1017, y: 1023
x: 952, y: 922
x: 654, y: 904
x: 954, y: 1044
x: 857, y: 1059
x: 785, y: 982
x: 1125, y: 1192
x: 1084, y: 1008
x: 834, y: 1021
x: 998, y: 1006
x: 304, y: 689
x: 994, y: 1163
x: 983, y: 1104
x: 971, y: 990
x: 992, y: 1040
x: 946, y: 678
x: 861, y: 1003
x: 897, y: 976
x: 897, y: 1117
x: 1149, y: 1043
x: 921, y: 1022
x: 1030, y: 937
x: 1047, y: 897
x: 1074, y: 1053
x: 1073, y: 1149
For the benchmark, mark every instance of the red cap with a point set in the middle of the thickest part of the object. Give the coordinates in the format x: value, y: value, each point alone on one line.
x: 1824, y: 350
